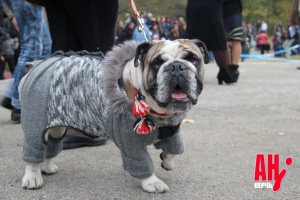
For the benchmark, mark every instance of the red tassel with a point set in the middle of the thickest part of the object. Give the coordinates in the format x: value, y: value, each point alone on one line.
x: 143, y: 126
x: 140, y: 106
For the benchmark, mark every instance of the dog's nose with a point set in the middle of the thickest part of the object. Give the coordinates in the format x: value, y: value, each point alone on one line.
x: 177, y: 68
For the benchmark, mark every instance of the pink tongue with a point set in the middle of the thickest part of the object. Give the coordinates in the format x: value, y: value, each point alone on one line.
x: 179, y: 95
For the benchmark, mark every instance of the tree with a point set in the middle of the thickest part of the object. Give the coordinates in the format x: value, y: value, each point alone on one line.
x: 170, y: 8
x: 270, y: 11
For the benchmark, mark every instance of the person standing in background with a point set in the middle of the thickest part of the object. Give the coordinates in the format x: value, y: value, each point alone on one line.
x: 127, y: 32
x: 204, y: 22
x: 76, y: 25
x: 82, y: 25
x: 14, y: 34
x: 139, y: 36
x: 232, y: 18
x: 262, y: 41
x: 29, y: 18
x: 6, y: 52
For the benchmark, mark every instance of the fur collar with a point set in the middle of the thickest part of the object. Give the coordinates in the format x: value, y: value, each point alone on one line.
x: 114, y: 62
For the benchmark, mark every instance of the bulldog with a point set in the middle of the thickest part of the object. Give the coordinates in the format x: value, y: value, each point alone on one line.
x: 136, y: 95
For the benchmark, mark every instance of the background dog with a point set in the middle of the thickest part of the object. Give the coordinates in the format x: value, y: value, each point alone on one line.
x: 137, y: 94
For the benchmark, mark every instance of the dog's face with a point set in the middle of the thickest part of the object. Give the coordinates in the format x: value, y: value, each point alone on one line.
x: 172, y: 72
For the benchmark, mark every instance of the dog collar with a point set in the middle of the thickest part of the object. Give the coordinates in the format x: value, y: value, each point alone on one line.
x: 140, y: 109
x: 161, y: 114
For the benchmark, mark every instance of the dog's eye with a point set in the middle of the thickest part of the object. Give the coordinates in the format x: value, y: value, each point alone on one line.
x: 192, y: 59
x: 158, y: 63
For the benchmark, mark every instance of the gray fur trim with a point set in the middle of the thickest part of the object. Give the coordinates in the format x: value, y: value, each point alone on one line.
x: 113, y: 65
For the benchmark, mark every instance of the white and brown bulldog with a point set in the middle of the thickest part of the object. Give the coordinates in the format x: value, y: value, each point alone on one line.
x: 137, y: 95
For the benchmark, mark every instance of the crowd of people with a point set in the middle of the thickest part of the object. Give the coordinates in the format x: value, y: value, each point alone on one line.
x: 280, y: 40
x: 9, y: 42
x: 254, y: 35
x: 159, y: 28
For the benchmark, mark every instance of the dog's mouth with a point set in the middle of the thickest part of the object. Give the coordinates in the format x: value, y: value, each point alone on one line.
x: 177, y: 97
x: 178, y: 94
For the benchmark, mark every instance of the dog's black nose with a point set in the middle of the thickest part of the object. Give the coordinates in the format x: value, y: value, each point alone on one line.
x: 177, y: 68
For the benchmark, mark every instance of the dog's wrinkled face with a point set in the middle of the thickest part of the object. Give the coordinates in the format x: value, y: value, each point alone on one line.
x: 173, y: 72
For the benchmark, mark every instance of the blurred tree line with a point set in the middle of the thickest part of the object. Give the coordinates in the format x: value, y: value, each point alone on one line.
x: 169, y: 8
x: 270, y: 11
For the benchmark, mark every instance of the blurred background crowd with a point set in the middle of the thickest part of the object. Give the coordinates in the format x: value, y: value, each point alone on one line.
x: 278, y: 38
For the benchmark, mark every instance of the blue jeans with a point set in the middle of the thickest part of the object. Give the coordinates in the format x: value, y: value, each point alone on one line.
x: 29, y: 18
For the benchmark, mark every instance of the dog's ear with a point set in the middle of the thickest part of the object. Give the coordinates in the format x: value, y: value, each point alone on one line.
x: 203, y: 49
x: 141, y: 52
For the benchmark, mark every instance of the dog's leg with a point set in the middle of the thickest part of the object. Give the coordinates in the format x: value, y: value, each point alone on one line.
x: 167, y: 161
x: 56, y: 133
x: 154, y: 185
x: 33, y: 177
x: 48, y: 167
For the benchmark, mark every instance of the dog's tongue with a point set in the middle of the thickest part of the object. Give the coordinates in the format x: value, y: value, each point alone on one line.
x: 179, y: 95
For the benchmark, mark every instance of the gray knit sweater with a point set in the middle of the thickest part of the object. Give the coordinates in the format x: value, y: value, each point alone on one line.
x: 82, y: 91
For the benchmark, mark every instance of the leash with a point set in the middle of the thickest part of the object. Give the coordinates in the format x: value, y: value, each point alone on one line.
x: 270, y: 57
x: 138, y: 18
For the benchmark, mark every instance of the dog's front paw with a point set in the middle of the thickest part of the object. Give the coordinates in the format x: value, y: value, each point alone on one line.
x: 167, y: 161
x: 33, y: 177
x: 154, y: 185
x: 48, y: 167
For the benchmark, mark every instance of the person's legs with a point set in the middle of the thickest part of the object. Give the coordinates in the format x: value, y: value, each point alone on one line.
x: 77, y: 26
x: 228, y: 55
x: 262, y: 49
x: 28, y: 17
x: 63, y: 33
x: 94, y: 22
x: 2, y: 66
x: 234, y: 32
x: 6, y: 102
x: 11, y: 63
x: 244, y: 49
x: 221, y: 58
x: 46, y: 40
x: 224, y: 74
x: 235, y: 57
x: 236, y: 52
x: 80, y: 26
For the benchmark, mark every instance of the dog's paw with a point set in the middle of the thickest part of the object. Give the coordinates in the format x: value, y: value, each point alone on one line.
x: 154, y: 185
x: 32, y: 178
x: 167, y: 161
x: 48, y: 167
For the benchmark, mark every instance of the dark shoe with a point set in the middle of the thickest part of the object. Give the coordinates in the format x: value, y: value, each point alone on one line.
x: 226, y: 75
x: 6, y: 103
x: 234, y: 71
x: 72, y: 141
x: 16, y: 115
